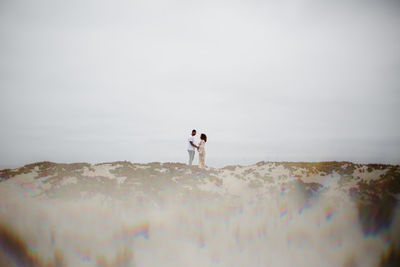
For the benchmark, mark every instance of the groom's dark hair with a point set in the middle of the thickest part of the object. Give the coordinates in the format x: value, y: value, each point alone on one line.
x: 194, y: 130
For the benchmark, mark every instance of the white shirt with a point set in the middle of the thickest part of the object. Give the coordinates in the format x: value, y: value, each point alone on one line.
x: 191, y: 138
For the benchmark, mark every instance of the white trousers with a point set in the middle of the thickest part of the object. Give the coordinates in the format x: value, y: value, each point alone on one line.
x: 191, y: 157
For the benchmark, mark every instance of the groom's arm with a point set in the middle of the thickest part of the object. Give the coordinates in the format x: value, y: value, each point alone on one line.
x: 191, y: 142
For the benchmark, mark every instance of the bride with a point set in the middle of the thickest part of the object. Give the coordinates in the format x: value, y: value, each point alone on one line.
x: 202, y: 151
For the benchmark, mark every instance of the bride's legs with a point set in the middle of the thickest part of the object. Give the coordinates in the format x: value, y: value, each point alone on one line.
x: 202, y: 157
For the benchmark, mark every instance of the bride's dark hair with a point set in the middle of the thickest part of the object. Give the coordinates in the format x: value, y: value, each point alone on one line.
x: 203, y: 137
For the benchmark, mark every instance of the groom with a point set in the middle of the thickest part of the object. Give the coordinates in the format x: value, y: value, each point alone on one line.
x: 191, y: 147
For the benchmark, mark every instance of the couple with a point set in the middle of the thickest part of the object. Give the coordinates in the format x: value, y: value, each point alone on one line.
x: 200, y: 148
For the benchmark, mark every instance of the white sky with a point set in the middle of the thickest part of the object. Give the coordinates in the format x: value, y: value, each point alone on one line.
x: 96, y: 81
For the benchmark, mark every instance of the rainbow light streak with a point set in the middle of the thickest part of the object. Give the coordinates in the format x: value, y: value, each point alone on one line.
x: 305, y: 205
x: 138, y: 230
x: 84, y: 256
x: 285, y: 214
x: 339, y: 243
x: 32, y: 250
x: 30, y: 188
x: 329, y: 213
x: 201, y: 242
x: 283, y: 190
x: 284, y: 211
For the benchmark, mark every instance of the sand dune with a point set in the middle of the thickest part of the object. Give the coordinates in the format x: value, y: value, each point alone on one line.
x: 168, y: 214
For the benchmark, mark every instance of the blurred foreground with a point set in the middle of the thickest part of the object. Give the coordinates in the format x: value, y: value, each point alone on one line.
x: 168, y: 214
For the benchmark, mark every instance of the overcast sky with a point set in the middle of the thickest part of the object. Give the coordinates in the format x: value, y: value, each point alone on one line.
x: 96, y: 81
